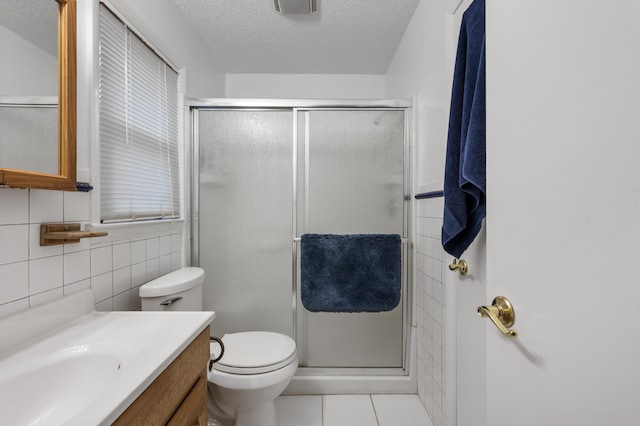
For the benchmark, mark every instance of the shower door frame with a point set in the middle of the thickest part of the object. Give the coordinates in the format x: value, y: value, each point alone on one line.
x: 193, y: 106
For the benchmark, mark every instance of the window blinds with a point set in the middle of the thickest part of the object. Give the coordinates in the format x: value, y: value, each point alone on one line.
x: 138, y: 109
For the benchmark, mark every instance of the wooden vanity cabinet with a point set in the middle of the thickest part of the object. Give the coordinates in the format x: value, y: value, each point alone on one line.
x: 179, y: 395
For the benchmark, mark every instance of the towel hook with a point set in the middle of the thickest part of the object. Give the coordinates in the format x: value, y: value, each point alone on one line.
x: 461, y: 266
x: 219, y: 341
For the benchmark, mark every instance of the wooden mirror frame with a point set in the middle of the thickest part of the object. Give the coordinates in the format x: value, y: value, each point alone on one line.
x: 66, y: 177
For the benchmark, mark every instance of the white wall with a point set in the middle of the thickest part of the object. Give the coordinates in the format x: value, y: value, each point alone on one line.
x: 114, y: 266
x: 422, y: 67
x: 309, y: 86
x: 164, y: 25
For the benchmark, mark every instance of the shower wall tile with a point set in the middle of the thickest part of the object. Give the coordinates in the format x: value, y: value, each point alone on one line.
x: 31, y: 274
x: 431, y: 306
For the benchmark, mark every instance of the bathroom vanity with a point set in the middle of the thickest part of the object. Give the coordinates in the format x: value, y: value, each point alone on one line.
x: 64, y: 363
x: 179, y: 395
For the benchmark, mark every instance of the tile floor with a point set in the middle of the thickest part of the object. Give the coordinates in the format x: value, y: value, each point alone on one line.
x: 351, y: 410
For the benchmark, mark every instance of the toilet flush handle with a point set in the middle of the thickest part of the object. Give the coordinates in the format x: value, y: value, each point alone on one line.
x: 171, y: 301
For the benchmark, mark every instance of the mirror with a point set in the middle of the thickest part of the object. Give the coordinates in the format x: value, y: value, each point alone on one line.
x: 38, y: 139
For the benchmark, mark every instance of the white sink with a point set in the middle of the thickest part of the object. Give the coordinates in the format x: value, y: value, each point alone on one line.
x: 56, y: 391
x: 64, y: 364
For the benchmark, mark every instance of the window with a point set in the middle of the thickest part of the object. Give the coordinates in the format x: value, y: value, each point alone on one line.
x: 138, y: 109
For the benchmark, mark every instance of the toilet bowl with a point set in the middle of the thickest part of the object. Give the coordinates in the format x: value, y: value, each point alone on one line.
x: 254, y: 370
x: 256, y: 365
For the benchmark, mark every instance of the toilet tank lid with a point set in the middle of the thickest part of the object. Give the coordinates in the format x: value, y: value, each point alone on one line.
x: 173, y: 282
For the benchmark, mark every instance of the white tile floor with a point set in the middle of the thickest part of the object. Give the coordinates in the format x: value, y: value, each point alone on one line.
x: 351, y: 410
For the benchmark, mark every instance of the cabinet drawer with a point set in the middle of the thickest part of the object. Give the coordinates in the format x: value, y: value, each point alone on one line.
x: 193, y: 411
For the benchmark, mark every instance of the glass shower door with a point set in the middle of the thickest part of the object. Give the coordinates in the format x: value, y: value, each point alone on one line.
x: 351, y: 180
x: 246, y: 218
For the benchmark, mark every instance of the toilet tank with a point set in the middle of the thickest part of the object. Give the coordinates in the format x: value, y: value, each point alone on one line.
x: 179, y: 290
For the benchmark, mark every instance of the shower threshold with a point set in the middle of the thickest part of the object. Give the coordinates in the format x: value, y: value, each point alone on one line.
x: 332, y: 381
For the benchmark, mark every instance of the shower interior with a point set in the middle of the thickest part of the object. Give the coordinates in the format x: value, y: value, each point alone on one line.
x: 267, y: 172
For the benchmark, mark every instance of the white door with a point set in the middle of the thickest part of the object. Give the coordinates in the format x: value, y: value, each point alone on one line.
x: 471, y: 336
x: 563, y: 217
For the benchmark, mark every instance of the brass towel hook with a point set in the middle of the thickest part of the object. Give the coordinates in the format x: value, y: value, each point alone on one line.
x: 461, y: 266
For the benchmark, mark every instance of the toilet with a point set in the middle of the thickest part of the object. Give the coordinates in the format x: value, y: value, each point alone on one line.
x: 256, y: 365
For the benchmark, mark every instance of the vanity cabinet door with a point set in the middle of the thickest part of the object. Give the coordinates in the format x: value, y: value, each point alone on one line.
x: 193, y: 410
x: 176, y: 392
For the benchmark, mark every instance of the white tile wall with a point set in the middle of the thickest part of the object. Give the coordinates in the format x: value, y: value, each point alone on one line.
x: 424, y: 71
x: 31, y: 274
x: 15, y: 243
x: 431, y: 305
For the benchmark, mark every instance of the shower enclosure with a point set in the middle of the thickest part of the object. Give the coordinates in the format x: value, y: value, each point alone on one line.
x: 267, y: 172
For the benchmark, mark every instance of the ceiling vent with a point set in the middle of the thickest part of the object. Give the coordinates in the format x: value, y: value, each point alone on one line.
x: 296, y: 7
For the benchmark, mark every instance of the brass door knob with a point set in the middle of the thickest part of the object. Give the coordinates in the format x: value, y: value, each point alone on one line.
x: 502, y: 314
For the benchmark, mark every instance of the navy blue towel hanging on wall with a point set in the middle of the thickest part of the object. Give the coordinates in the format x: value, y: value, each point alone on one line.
x: 465, y: 168
x: 350, y: 273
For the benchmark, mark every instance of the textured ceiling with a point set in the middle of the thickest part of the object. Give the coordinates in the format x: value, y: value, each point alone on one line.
x: 343, y: 37
x: 34, y: 20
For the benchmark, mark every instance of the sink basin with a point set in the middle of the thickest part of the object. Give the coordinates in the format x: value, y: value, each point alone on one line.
x: 63, y: 363
x: 52, y: 389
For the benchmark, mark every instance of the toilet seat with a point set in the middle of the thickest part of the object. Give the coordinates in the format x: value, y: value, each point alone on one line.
x: 256, y: 352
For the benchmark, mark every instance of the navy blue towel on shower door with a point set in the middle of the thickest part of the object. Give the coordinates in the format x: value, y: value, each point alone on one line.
x: 350, y: 273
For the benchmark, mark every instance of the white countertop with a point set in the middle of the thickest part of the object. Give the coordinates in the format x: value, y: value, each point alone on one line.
x: 64, y: 363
